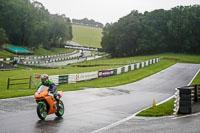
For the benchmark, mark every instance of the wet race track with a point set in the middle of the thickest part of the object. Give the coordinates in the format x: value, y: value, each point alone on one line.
x: 94, y: 108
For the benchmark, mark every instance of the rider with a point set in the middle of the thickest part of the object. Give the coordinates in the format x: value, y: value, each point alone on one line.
x: 52, y: 87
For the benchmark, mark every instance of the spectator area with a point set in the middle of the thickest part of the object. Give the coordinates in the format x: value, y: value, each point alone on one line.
x: 19, y: 51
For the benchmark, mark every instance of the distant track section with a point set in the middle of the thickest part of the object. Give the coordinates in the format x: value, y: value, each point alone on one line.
x: 83, y: 48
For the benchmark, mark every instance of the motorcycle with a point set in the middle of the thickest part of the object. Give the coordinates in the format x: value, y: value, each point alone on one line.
x: 47, y: 104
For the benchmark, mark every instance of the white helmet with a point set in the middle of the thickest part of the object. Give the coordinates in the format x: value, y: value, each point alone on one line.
x: 44, y: 78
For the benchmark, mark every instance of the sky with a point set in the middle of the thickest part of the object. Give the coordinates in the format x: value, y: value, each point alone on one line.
x: 108, y: 11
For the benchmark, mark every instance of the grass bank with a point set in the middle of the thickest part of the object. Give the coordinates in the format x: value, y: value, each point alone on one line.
x: 87, y: 36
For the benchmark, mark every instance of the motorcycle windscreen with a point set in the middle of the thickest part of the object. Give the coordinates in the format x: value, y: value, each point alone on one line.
x: 41, y: 89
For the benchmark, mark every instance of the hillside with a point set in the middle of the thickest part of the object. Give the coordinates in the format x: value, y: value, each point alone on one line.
x: 87, y: 36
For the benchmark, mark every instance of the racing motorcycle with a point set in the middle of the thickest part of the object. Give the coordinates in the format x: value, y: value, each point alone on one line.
x: 47, y: 104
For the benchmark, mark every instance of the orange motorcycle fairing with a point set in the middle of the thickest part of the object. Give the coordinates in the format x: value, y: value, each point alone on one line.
x: 52, y: 104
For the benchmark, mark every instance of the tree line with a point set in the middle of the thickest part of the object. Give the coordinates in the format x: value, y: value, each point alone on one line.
x: 29, y: 24
x: 87, y: 22
x: 176, y: 30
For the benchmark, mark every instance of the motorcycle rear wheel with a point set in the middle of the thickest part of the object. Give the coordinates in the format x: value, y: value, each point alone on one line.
x: 61, y: 109
x: 42, y: 110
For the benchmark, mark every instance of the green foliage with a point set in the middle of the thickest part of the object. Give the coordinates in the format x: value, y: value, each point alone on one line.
x: 87, y: 22
x: 87, y: 36
x: 30, y: 24
x: 176, y: 30
x: 3, y: 37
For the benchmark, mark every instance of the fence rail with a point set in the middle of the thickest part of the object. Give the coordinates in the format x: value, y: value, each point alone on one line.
x: 9, y: 82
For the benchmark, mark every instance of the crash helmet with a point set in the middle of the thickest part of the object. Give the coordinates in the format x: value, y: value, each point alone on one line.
x: 44, y: 78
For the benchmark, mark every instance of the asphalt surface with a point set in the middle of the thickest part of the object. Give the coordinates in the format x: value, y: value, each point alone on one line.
x: 95, y: 108
x: 189, y: 124
x: 62, y: 63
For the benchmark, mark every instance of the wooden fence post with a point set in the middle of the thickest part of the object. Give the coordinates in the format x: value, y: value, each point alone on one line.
x: 30, y: 82
x: 8, y: 83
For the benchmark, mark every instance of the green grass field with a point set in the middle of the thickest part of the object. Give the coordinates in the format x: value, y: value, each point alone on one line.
x: 42, y: 51
x: 104, y: 82
x: 87, y: 36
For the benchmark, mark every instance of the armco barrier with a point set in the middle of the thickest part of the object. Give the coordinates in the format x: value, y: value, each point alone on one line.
x: 106, y: 73
x: 147, y: 63
x: 132, y: 67
x: 150, y: 61
x: 73, y: 78
x: 142, y: 64
x: 186, y: 99
x: 122, y: 70
x: 137, y: 65
x: 55, y: 79
x: 86, y: 76
x: 114, y: 71
x: 118, y: 71
x: 129, y: 68
x: 126, y: 69
x: 63, y: 79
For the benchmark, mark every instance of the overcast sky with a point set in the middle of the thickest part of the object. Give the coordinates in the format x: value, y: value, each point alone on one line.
x: 107, y: 11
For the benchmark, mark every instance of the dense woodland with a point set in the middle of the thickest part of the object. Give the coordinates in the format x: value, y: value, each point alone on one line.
x: 29, y: 24
x: 87, y: 22
x: 176, y: 30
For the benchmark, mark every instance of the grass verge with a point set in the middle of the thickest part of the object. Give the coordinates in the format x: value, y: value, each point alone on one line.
x: 160, y: 110
x: 165, y: 108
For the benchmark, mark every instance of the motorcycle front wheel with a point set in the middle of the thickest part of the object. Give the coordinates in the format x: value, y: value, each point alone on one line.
x: 61, y: 109
x: 42, y: 110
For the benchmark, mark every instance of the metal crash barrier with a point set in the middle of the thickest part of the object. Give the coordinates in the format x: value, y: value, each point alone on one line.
x: 187, y: 100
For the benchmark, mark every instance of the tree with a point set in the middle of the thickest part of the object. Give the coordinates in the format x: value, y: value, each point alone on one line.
x: 176, y: 30
x: 3, y: 37
x: 30, y: 24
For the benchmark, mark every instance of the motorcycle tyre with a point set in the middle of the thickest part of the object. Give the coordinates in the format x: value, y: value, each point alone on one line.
x: 60, y: 112
x: 42, y: 117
